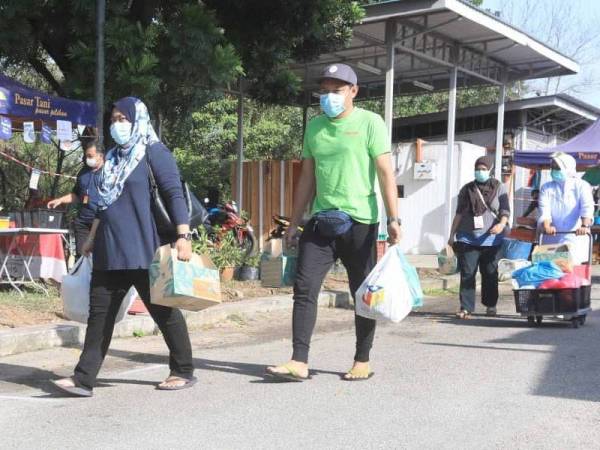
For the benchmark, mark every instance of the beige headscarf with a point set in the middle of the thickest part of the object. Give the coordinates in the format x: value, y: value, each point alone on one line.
x: 566, y: 163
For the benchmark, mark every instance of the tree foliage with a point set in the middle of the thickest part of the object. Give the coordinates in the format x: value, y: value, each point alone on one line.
x: 206, y: 146
x: 173, y: 53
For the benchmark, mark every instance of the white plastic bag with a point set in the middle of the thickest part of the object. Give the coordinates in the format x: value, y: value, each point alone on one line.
x: 75, y: 293
x: 385, y: 293
x: 507, y: 266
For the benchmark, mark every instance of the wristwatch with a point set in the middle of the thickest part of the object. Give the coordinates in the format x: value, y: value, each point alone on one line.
x: 394, y: 219
x: 186, y: 236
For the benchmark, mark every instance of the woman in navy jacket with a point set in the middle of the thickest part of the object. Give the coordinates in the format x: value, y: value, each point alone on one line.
x: 124, y: 240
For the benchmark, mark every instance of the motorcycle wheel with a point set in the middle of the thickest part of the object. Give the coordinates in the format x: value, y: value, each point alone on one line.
x: 248, y: 243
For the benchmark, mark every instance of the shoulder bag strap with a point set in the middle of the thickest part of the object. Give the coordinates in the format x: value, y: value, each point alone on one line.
x: 485, y: 203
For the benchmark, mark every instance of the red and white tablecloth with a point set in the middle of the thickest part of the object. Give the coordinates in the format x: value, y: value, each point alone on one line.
x: 41, y: 248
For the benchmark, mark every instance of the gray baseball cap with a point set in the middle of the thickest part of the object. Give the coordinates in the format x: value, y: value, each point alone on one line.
x: 340, y: 72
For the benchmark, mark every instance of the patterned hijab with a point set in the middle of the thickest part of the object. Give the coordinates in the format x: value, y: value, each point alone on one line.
x: 122, y: 160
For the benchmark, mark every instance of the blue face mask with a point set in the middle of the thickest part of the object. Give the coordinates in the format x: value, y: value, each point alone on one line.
x: 332, y: 104
x: 482, y: 175
x: 121, y: 132
x: 557, y: 175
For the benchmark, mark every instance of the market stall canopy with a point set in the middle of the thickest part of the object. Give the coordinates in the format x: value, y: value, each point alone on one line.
x: 584, y: 147
x: 20, y: 102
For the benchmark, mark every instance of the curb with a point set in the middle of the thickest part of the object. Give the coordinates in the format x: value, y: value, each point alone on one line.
x: 69, y: 334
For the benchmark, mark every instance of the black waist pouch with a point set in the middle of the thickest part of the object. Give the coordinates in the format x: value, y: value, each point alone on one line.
x: 332, y: 223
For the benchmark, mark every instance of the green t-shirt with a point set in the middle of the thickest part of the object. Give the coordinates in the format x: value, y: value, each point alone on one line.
x: 344, y: 151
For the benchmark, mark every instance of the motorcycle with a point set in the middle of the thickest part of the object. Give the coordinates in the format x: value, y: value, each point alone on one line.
x: 283, y: 223
x: 226, y: 219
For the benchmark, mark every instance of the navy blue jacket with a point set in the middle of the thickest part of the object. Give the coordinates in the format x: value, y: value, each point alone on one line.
x: 126, y: 237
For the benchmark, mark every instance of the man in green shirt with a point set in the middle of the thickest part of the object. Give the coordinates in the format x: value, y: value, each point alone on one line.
x: 346, y: 150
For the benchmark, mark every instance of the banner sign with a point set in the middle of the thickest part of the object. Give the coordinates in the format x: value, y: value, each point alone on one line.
x: 18, y: 100
x: 5, y: 128
x: 46, y: 136
x: 35, y: 179
x: 64, y: 130
x: 28, y: 133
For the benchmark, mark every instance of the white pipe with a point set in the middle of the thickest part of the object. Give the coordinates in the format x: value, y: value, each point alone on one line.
x: 240, y: 148
x: 282, y: 188
x: 261, y: 205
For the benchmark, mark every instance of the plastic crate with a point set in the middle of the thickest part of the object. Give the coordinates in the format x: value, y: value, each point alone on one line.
x: 552, y: 301
x: 27, y: 219
x: 47, y: 218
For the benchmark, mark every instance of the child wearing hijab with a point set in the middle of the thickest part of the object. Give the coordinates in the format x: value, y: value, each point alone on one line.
x: 476, y: 235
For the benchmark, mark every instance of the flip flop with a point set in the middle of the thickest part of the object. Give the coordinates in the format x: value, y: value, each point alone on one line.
x: 357, y: 378
x: 77, y: 390
x: 189, y: 382
x: 291, y: 374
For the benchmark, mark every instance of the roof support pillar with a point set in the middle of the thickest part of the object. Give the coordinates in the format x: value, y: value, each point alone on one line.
x: 240, y: 147
x: 390, y: 37
x: 500, y: 133
x: 390, y: 44
x: 450, y: 151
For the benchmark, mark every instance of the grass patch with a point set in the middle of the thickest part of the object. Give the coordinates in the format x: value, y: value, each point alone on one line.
x: 33, y: 300
x: 437, y: 292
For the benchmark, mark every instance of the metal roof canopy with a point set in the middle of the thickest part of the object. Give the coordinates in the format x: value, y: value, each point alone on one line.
x: 561, y: 112
x: 430, y: 38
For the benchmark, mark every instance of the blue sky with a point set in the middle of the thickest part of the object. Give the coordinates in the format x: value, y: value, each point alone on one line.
x: 580, y: 21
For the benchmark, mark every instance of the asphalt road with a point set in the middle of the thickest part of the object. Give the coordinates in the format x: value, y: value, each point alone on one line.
x: 439, y: 383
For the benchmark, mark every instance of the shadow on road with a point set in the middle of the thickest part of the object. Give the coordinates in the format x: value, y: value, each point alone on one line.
x: 573, y: 368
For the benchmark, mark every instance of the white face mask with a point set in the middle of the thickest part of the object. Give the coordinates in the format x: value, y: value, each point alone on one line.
x: 91, y: 162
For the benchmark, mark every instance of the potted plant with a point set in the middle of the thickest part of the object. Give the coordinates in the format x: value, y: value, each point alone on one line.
x: 227, y: 256
x: 202, y: 245
x: 250, y: 268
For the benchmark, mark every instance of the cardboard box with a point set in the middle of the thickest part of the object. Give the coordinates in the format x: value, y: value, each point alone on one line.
x: 278, y: 272
x: 193, y: 285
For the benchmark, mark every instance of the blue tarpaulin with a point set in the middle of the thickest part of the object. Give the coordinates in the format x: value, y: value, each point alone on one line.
x: 19, y: 101
x: 585, y: 148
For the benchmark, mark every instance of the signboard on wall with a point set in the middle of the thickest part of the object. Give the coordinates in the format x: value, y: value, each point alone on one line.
x: 424, y: 170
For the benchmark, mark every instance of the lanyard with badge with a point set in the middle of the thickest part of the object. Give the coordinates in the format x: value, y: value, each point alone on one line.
x: 478, y: 220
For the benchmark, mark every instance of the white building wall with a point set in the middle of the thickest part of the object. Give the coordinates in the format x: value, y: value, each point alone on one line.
x: 423, y: 208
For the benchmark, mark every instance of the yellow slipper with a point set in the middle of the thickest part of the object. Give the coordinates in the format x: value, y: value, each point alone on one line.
x: 356, y: 374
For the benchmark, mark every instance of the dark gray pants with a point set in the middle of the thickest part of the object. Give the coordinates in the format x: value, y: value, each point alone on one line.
x: 357, y: 251
x: 471, y: 258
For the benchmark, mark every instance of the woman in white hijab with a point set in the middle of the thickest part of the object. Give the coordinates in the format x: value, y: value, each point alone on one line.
x: 566, y: 203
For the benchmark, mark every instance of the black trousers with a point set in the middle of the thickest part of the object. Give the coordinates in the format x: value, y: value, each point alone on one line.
x: 107, y: 291
x: 82, y: 231
x: 358, y: 252
x: 470, y: 258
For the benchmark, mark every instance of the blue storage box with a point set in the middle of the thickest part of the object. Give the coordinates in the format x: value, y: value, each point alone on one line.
x: 515, y: 249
